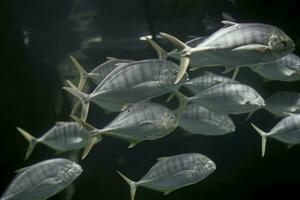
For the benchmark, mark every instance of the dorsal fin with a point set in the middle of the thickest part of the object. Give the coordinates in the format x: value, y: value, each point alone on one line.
x: 21, y: 170
x: 59, y: 123
x: 162, y: 158
x: 208, y: 73
x: 228, y: 23
x: 111, y: 58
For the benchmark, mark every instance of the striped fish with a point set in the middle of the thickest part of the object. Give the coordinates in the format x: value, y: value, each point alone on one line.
x: 235, y: 45
x: 227, y: 98
x: 100, y: 72
x: 42, y: 180
x: 283, y: 103
x: 64, y: 136
x: 198, y: 120
x: 136, y: 81
x: 286, y: 130
x: 143, y: 121
x: 286, y: 68
x: 174, y: 172
x: 205, y: 81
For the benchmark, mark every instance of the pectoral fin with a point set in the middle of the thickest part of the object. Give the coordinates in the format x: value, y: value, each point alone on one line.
x: 252, y: 47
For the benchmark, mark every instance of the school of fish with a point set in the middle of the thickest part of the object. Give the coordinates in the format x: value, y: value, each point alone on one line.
x: 127, y: 86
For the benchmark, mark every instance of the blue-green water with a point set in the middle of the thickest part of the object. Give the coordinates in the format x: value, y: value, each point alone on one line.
x: 40, y: 35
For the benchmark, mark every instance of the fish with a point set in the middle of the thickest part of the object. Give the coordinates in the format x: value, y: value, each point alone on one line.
x: 174, y: 172
x: 286, y: 69
x: 287, y: 130
x: 198, y: 120
x: 137, y: 81
x: 140, y: 122
x: 98, y: 73
x: 233, y: 46
x: 207, y: 80
x: 283, y: 103
x: 226, y: 98
x: 64, y: 136
x: 42, y: 180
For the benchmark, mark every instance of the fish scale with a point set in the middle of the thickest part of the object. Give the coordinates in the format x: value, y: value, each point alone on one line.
x: 198, y: 120
x: 284, y: 69
x: 174, y: 172
x: 42, y: 180
x: 283, y: 103
x: 228, y: 97
x: 64, y: 136
x: 140, y: 122
x: 156, y: 78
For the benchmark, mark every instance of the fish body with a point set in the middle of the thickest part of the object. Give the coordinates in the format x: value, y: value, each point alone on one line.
x: 286, y: 130
x: 174, y: 172
x: 229, y: 98
x: 205, y: 81
x: 64, y: 136
x: 100, y: 72
x: 286, y: 68
x: 140, y: 122
x: 136, y: 81
x: 283, y: 103
x: 42, y: 180
x: 198, y: 120
x: 235, y: 45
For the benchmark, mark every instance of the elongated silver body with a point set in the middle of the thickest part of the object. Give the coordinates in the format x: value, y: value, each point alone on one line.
x: 286, y: 68
x: 198, y: 120
x: 101, y: 71
x: 205, y: 81
x: 134, y: 82
x: 229, y: 98
x: 283, y: 103
x: 142, y: 121
x: 42, y: 180
x: 174, y: 172
x: 241, y: 44
x: 287, y: 130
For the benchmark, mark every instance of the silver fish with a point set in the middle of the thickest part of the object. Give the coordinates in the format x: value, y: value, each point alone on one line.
x: 136, y: 81
x: 174, y: 172
x: 286, y: 130
x: 100, y: 72
x: 205, y: 81
x: 42, y: 180
x: 283, y: 103
x: 142, y: 121
x: 64, y: 136
x: 286, y: 68
x: 227, y: 98
x: 235, y: 45
x: 198, y: 120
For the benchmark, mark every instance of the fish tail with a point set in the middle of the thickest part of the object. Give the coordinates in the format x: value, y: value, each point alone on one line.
x: 32, y: 142
x: 89, y: 145
x: 82, y: 97
x: 185, y: 54
x: 183, y: 100
x: 235, y: 73
x: 82, y: 72
x: 162, y: 54
x: 131, y: 184
x: 263, y: 139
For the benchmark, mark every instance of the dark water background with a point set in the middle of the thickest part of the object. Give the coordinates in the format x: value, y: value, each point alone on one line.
x: 38, y: 36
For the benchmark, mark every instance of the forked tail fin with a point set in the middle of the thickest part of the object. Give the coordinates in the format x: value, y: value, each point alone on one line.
x: 185, y: 54
x: 131, y: 184
x: 82, y: 97
x: 31, y: 140
x: 83, y: 74
x: 161, y: 53
x: 263, y: 139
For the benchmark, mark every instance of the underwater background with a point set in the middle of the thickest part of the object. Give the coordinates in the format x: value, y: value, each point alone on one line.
x: 38, y: 38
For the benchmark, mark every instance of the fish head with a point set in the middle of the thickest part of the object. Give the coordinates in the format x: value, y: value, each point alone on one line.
x: 69, y: 171
x: 255, y: 99
x: 280, y: 43
x: 203, y: 165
